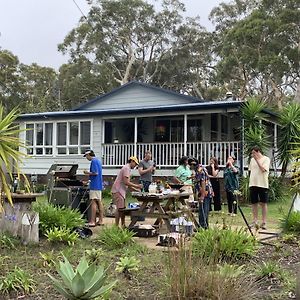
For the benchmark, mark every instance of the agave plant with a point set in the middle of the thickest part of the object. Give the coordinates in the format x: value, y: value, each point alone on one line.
x: 85, y: 282
x: 289, y: 133
x: 10, y: 156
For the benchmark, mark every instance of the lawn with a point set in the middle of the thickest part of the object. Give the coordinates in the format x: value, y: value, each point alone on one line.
x: 156, y: 267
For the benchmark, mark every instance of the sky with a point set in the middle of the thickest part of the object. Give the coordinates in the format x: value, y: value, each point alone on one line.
x: 32, y: 29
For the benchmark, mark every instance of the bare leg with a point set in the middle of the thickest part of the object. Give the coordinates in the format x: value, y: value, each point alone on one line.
x: 101, y: 211
x: 255, y: 212
x: 122, y: 216
x: 117, y: 217
x: 93, y: 208
x: 264, y: 210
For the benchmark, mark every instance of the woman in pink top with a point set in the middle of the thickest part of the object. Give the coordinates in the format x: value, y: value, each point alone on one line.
x: 120, y: 186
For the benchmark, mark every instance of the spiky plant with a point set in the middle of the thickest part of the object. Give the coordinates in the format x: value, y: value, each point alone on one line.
x: 10, y: 156
x: 289, y: 134
x: 296, y: 165
x: 85, y: 282
x: 254, y: 129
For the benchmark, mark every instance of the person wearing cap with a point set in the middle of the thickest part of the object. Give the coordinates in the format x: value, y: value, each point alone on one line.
x: 231, y: 184
x: 96, y: 186
x: 120, y: 186
x: 146, y: 169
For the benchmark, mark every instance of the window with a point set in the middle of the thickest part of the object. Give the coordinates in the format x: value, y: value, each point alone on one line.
x: 214, y: 124
x: 224, y: 127
x: 72, y: 137
x: 194, y: 130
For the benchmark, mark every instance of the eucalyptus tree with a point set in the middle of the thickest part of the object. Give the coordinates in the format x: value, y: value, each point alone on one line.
x: 258, y: 47
x: 127, y: 40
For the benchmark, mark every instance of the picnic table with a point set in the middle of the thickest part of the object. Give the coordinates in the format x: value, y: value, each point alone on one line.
x: 162, y: 206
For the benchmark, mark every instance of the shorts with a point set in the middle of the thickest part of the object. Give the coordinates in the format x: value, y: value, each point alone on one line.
x: 118, y: 200
x: 95, y: 194
x: 258, y: 194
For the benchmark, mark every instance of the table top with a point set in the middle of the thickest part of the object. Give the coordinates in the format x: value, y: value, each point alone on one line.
x: 24, y: 197
x: 159, y: 196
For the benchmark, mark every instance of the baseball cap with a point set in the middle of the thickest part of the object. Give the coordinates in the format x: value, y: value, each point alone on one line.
x: 88, y: 152
x: 134, y: 159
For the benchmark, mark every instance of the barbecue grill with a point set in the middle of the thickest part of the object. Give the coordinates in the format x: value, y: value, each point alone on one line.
x: 64, y: 189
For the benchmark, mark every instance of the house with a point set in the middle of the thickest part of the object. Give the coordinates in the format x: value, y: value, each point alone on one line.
x: 130, y: 120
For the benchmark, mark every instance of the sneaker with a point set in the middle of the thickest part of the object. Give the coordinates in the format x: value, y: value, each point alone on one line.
x: 263, y: 226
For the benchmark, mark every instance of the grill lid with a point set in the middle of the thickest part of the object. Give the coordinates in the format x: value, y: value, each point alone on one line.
x: 63, y: 170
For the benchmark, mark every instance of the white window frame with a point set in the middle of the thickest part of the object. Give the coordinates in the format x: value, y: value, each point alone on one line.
x: 54, y: 145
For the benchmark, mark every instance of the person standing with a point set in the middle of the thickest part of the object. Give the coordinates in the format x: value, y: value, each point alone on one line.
x: 146, y: 170
x: 213, y: 172
x: 259, y: 184
x: 231, y: 184
x: 184, y: 175
x: 205, y: 193
x: 96, y: 186
x: 119, y: 189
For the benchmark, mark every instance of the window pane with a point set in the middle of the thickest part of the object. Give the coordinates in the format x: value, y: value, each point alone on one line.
x: 194, y: 130
x: 61, y: 133
x: 73, y: 150
x: 48, y: 151
x: 73, y: 133
x: 85, y: 133
x: 39, y: 151
x: 62, y: 150
x: 39, y: 134
x: 29, y: 151
x: 48, y: 134
x: 29, y: 134
x: 83, y: 149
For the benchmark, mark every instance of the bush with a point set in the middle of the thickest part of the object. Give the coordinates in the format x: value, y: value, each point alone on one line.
x: 215, y: 245
x: 7, y: 241
x: 115, y: 237
x: 191, y: 278
x: 18, y: 281
x: 292, y: 224
x: 64, y: 235
x: 60, y: 217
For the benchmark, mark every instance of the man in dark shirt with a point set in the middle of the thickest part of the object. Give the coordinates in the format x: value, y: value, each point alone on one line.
x: 146, y: 169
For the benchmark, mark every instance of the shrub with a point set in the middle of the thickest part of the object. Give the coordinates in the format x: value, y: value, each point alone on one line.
x: 277, y: 189
x: 115, y: 237
x: 127, y: 265
x: 64, y: 235
x: 17, y: 280
x: 85, y: 282
x: 191, y: 278
x: 94, y: 255
x: 291, y: 224
x: 7, y: 241
x: 52, y: 216
x: 48, y: 258
x: 215, y: 245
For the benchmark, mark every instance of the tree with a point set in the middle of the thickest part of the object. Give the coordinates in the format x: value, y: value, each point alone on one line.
x: 10, y: 156
x: 259, y: 49
x: 125, y: 40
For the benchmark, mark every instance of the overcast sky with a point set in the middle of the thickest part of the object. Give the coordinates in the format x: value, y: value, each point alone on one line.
x: 32, y: 29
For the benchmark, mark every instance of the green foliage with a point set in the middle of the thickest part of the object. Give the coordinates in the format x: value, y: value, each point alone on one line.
x: 94, y: 255
x: 17, y: 280
x: 296, y: 166
x: 227, y: 270
x: 115, y: 237
x: 292, y: 224
x: 289, y: 134
x: 106, y: 193
x: 7, y: 241
x: 127, y: 264
x: 215, y: 245
x: 10, y: 156
x: 254, y: 130
x: 85, y: 282
x: 48, y: 258
x: 278, y: 189
x: 244, y: 187
x: 61, y: 234
x: 60, y: 217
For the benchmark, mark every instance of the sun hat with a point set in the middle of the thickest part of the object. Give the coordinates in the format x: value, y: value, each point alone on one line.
x: 134, y: 159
